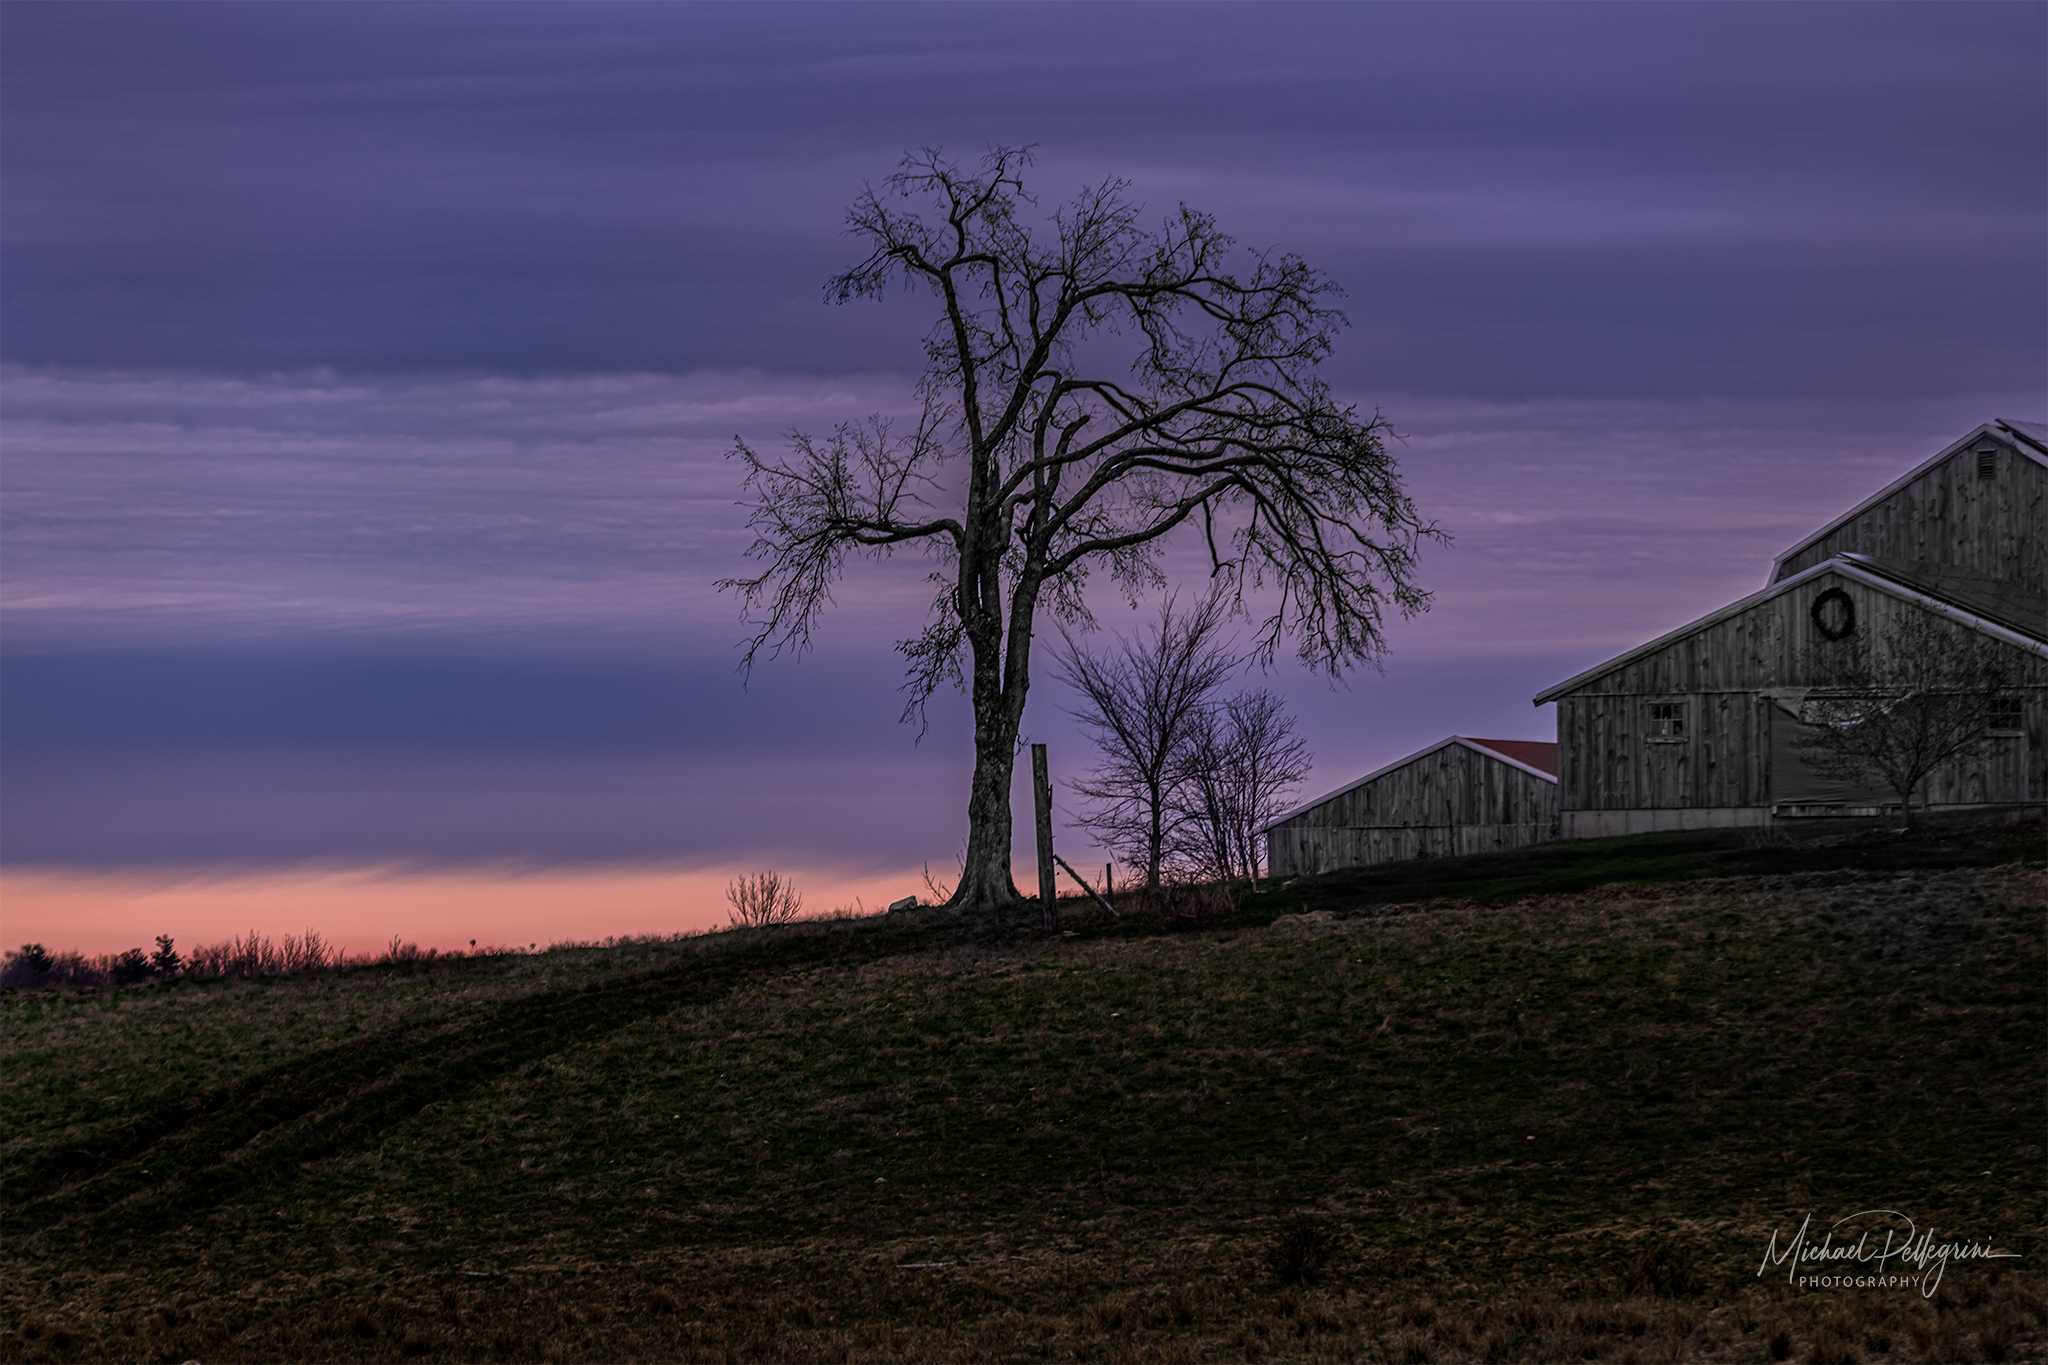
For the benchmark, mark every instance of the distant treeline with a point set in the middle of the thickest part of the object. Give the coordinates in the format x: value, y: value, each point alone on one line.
x: 32, y: 966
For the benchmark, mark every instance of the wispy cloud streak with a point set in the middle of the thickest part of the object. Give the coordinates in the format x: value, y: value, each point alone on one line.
x: 141, y: 505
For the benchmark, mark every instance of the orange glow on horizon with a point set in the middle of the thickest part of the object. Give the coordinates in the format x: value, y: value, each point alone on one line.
x: 359, y: 910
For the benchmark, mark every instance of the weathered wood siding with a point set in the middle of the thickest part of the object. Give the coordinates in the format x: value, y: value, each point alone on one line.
x: 1950, y: 521
x: 1609, y: 760
x: 1453, y: 800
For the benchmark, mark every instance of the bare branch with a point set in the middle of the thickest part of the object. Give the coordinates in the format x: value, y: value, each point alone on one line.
x: 850, y: 493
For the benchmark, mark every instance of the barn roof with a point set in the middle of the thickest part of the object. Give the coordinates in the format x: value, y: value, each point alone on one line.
x: 2029, y: 438
x: 1992, y: 599
x: 1536, y: 757
x: 1539, y: 756
x: 1854, y: 567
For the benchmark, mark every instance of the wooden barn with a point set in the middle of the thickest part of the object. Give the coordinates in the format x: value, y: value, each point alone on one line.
x: 1699, y: 728
x: 1460, y: 796
x: 1969, y: 526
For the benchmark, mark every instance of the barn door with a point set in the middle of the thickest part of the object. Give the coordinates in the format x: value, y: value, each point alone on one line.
x: 2000, y: 777
x: 1666, y: 770
x: 1667, y: 753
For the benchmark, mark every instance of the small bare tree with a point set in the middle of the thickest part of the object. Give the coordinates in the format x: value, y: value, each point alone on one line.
x: 1241, y: 761
x: 1143, y: 703
x: 306, y: 953
x: 1924, y: 693
x: 764, y: 898
x: 1042, y: 453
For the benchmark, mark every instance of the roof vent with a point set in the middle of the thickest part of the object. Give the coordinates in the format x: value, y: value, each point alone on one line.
x: 1987, y: 462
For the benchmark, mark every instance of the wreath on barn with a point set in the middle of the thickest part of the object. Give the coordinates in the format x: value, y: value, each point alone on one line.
x: 1847, y: 614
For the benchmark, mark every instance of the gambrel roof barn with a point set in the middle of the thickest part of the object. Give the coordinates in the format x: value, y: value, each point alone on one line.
x: 1460, y: 795
x: 1698, y: 728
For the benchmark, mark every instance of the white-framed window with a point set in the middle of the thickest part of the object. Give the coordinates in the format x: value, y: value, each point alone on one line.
x: 1666, y: 721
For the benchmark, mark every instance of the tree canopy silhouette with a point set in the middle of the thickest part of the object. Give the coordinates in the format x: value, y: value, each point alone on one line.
x: 1091, y: 385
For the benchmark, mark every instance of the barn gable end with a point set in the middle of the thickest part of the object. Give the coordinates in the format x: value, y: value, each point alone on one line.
x: 1459, y: 796
x: 1967, y: 525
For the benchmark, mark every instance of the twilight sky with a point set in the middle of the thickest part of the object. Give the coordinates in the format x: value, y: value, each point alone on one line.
x: 369, y: 371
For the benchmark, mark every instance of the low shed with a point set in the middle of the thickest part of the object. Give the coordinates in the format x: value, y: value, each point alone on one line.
x: 1460, y: 796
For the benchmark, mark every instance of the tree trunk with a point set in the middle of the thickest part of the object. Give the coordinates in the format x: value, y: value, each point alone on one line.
x: 986, y: 887
x: 1155, y: 837
x: 987, y: 890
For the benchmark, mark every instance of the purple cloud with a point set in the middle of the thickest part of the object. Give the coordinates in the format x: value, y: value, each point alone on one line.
x: 370, y: 370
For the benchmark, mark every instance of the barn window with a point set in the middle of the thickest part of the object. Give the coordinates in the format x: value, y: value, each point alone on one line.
x: 2005, y: 714
x: 1987, y: 462
x: 1667, y: 720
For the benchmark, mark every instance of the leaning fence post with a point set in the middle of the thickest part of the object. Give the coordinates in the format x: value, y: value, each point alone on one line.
x: 1041, y: 800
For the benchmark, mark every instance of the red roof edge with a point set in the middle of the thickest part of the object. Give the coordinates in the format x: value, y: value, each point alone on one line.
x: 1538, y: 754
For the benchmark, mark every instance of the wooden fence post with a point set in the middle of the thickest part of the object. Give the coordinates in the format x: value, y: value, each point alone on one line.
x: 1041, y: 800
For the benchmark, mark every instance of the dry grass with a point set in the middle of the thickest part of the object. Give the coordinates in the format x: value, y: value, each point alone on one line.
x: 1558, y: 1129
x: 821, y: 1303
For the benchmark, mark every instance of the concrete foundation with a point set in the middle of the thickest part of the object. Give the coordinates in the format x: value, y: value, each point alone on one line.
x: 1602, y: 824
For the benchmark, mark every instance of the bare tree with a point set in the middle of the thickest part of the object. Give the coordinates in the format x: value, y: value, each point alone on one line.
x: 1924, y: 693
x: 1143, y: 703
x: 1041, y: 454
x: 764, y: 898
x: 1241, y: 760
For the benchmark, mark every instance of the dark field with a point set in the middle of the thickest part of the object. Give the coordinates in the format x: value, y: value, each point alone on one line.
x: 1535, y: 1118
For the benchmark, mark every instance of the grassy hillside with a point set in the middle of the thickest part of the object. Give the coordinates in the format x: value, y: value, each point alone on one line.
x: 1537, y: 1117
